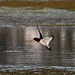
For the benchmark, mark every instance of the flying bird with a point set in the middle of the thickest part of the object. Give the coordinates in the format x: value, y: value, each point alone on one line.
x: 44, y: 41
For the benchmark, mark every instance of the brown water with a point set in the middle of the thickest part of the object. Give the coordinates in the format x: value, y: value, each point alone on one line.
x: 17, y: 49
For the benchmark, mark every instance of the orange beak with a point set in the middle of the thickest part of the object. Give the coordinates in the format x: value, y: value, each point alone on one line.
x: 32, y: 40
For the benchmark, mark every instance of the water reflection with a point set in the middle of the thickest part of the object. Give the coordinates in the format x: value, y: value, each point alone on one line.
x: 73, y: 39
x: 16, y: 48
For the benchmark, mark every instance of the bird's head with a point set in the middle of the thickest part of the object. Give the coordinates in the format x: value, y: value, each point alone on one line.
x: 36, y: 39
x: 32, y: 40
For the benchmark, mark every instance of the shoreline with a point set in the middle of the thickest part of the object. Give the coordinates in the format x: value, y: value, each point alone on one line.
x: 36, y: 70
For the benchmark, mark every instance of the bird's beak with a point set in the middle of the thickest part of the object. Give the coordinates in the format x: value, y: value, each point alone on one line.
x: 32, y: 40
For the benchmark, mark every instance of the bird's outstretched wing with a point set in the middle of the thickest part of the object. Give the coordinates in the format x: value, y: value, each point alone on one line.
x: 41, y: 37
x: 47, y: 40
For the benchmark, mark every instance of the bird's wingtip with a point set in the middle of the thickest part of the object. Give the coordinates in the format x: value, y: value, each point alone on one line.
x: 37, y: 26
x: 52, y: 36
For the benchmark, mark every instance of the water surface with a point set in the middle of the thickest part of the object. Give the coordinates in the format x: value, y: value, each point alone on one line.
x: 17, y: 49
x: 30, y: 16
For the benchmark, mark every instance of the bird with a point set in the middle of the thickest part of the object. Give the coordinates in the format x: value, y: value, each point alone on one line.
x: 44, y: 41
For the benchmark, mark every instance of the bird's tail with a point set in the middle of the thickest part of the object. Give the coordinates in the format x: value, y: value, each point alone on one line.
x: 49, y: 48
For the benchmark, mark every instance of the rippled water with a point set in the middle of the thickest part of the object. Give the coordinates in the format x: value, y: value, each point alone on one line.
x: 17, y: 52
x: 28, y: 16
x: 17, y: 49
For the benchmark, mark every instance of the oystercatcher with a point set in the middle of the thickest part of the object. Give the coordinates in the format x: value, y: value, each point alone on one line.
x: 44, y: 41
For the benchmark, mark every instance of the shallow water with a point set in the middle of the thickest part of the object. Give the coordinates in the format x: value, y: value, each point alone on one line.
x: 17, y: 49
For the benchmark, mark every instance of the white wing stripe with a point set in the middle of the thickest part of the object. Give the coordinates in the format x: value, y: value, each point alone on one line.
x: 45, y: 41
x: 49, y: 40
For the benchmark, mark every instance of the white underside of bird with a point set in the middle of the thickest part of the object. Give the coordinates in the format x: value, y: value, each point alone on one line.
x: 45, y: 41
